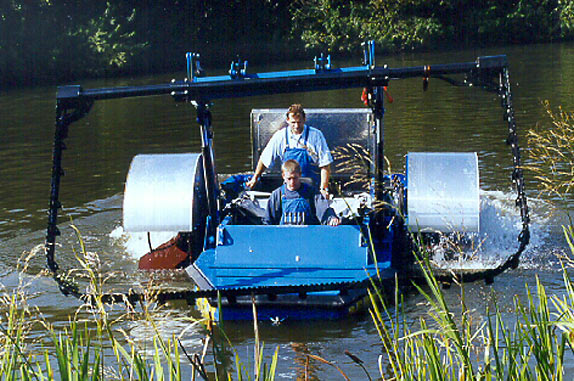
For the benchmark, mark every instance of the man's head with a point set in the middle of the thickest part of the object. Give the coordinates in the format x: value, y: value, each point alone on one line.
x: 291, y: 172
x: 296, y: 118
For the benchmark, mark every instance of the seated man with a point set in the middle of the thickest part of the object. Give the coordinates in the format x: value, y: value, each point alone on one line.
x: 300, y: 142
x: 295, y: 203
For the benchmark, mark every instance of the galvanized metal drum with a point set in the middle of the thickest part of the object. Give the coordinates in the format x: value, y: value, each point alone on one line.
x: 443, y: 192
x: 164, y: 192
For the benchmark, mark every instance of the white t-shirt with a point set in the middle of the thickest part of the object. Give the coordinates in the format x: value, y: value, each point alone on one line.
x: 316, y: 146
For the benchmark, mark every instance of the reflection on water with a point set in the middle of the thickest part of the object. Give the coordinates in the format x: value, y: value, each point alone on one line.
x: 101, y: 146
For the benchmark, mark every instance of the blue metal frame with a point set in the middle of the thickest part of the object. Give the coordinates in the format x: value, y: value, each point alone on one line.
x: 259, y: 255
x: 203, y: 89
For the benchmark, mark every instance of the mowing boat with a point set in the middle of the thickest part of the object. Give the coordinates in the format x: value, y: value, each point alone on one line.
x: 297, y: 271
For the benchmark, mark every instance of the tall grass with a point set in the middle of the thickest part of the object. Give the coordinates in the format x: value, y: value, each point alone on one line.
x: 95, y: 346
x: 451, y: 346
x: 552, y: 152
x: 533, y: 344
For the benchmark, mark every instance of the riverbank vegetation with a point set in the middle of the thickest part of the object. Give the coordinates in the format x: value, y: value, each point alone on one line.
x: 95, y: 343
x: 531, y: 341
x: 55, y: 41
x: 416, y: 24
x: 552, y: 153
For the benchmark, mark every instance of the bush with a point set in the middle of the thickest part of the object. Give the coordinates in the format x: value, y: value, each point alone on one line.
x: 412, y: 24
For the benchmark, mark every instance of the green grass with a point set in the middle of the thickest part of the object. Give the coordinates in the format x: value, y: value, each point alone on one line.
x: 449, y: 346
x: 94, y: 346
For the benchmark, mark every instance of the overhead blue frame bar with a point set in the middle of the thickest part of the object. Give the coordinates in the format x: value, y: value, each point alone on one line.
x: 215, y: 87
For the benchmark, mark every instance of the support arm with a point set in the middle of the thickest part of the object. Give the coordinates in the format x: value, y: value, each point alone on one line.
x: 210, y: 175
x: 63, y: 120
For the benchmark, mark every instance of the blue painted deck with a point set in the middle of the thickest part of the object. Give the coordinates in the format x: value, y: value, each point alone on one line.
x: 257, y: 255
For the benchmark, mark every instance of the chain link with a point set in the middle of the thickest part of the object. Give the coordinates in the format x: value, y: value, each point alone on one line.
x: 517, y: 173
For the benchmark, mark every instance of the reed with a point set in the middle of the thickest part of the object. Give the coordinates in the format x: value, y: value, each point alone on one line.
x: 94, y: 346
x: 354, y: 158
x: 451, y: 346
x: 551, y: 152
x: 533, y: 343
x: 444, y: 345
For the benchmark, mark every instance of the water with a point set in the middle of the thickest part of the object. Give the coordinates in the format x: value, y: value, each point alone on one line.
x: 101, y: 146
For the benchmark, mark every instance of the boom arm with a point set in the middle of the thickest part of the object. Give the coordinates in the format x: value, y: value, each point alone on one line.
x: 480, y: 73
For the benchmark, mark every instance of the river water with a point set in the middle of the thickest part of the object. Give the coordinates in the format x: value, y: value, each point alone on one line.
x: 101, y: 146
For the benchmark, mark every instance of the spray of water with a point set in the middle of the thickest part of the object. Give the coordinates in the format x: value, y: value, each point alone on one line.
x: 136, y: 244
x: 500, y: 224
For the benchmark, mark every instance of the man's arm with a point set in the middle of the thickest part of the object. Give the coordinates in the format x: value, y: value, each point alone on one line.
x: 325, y: 175
x: 268, y: 156
x: 324, y: 161
x: 258, y: 172
x: 273, y: 210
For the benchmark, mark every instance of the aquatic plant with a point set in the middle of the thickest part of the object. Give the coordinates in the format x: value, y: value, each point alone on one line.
x: 451, y: 346
x: 94, y: 345
x: 355, y: 159
x: 552, y: 153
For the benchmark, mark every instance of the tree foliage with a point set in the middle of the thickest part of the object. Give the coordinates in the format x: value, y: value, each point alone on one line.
x: 61, y: 40
x: 411, y: 24
x: 340, y: 26
x: 40, y: 39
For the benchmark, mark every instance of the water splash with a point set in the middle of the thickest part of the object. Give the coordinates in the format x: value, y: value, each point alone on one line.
x: 500, y: 225
x: 136, y: 244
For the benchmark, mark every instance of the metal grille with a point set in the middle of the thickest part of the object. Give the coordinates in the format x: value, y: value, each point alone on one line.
x: 339, y: 126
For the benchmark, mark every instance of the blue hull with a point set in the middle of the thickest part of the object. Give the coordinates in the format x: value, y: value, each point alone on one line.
x: 251, y: 256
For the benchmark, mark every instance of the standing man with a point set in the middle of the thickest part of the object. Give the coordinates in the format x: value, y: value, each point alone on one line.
x: 302, y: 143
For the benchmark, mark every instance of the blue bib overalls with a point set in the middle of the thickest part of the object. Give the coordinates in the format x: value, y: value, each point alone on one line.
x: 301, y: 155
x: 296, y: 211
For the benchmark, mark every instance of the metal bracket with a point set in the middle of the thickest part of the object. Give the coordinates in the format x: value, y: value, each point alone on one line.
x: 236, y: 71
x: 194, y: 69
x: 426, y: 77
x: 68, y: 97
x: 369, y: 53
x: 210, y: 174
x: 487, y: 72
x: 322, y: 63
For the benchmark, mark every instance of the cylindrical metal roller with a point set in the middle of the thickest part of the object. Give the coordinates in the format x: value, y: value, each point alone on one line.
x: 443, y: 192
x: 164, y: 192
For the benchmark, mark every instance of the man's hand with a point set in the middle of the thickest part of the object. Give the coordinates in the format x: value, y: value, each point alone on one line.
x: 258, y: 171
x: 334, y: 221
x: 251, y: 183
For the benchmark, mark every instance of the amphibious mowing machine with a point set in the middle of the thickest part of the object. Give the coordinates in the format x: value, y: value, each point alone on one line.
x: 295, y: 272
